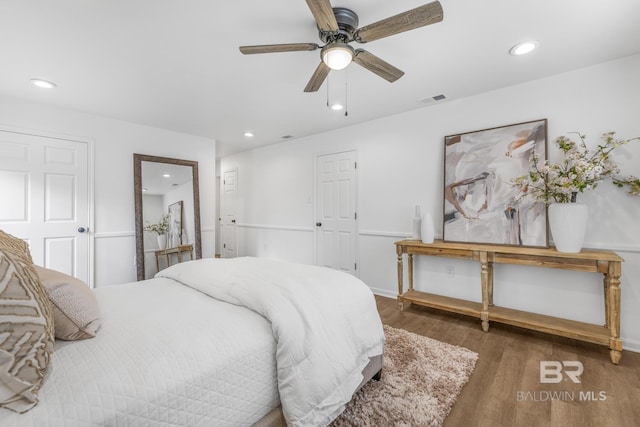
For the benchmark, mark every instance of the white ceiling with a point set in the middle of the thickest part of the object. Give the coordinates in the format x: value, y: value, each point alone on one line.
x: 176, y: 64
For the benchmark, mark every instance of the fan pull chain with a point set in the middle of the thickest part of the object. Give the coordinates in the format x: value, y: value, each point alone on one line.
x: 346, y: 95
x: 337, y: 91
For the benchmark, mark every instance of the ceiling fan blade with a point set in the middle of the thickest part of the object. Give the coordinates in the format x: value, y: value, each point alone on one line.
x: 427, y: 14
x: 271, y: 48
x: 377, y: 65
x: 323, y: 14
x: 318, y: 78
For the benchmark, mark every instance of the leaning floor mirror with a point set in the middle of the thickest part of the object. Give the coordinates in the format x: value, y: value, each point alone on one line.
x: 167, y: 213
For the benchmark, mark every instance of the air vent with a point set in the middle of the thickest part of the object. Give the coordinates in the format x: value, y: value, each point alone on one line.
x: 433, y: 99
x: 287, y: 137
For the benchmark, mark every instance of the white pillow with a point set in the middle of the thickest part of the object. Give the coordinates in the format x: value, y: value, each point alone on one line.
x: 75, y: 308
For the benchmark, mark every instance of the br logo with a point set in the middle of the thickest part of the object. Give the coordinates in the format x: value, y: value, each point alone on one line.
x: 551, y: 371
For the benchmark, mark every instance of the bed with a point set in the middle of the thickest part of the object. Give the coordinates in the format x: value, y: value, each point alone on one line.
x: 243, y: 341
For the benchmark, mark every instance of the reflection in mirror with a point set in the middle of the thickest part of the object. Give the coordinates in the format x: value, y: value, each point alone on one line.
x: 167, y: 213
x: 177, y: 228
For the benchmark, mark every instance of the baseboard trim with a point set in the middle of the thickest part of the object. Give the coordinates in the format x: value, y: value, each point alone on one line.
x: 630, y: 345
x: 384, y: 293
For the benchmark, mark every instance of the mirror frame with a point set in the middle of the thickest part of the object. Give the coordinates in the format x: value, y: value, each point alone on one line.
x: 137, y: 187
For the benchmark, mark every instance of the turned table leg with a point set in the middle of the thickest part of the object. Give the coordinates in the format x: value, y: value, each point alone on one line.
x: 606, y: 302
x: 612, y: 309
x: 410, y: 268
x: 487, y: 289
x: 400, y: 274
x: 490, y: 284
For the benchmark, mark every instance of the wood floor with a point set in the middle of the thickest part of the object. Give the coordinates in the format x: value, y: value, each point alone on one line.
x: 505, y: 388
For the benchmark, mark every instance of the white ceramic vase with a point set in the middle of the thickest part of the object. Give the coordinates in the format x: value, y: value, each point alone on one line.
x: 568, y: 223
x: 162, y: 241
x: 427, y: 229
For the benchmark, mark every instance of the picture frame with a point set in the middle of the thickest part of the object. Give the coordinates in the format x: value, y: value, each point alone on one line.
x: 174, y: 234
x: 480, y: 203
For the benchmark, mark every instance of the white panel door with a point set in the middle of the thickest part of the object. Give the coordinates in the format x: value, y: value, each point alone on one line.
x: 229, y: 210
x: 44, y: 187
x: 336, y: 217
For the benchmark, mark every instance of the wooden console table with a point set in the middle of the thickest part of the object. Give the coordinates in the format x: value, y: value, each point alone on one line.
x: 607, y: 263
x: 179, y: 250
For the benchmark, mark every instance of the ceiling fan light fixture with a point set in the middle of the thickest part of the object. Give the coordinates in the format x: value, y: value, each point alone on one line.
x: 337, y: 55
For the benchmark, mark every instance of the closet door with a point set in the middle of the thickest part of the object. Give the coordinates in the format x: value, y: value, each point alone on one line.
x: 44, y: 184
x: 336, y: 217
x: 229, y: 212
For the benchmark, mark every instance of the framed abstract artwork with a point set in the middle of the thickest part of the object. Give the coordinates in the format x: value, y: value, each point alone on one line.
x: 480, y: 203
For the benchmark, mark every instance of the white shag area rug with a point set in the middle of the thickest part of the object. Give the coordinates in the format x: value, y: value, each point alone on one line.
x: 421, y: 380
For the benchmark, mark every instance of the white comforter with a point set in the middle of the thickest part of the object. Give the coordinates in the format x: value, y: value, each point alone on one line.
x: 325, y: 323
x: 165, y: 356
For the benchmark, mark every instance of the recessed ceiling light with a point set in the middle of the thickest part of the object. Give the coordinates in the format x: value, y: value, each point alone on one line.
x: 166, y: 175
x: 523, y: 48
x: 337, y: 107
x: 248, y: 134
x: 44, y: 84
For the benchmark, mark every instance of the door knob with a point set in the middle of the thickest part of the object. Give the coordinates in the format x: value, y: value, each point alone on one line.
x: 81, y: 230
x: 233, y: 221
x: 318, y: 224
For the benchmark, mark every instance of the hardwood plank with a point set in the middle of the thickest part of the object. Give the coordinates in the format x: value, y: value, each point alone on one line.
x: 509, y: 362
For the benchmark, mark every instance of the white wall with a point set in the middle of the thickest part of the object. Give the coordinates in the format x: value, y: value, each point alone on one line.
x: 114, y: 143
x: 400, y: 165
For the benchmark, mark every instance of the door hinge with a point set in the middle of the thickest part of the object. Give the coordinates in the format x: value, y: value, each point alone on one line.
x: 355, y: 215
x: 355, y: 266
x: 224, y: 245
x: 355, y: 165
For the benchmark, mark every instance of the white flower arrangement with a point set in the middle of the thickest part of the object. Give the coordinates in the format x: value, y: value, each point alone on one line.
x: 632, y: 182
x: 161, y: 227
x: 579, y: 170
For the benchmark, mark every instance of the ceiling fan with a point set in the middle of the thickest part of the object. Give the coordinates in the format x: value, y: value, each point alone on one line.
x: 338, y: 26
